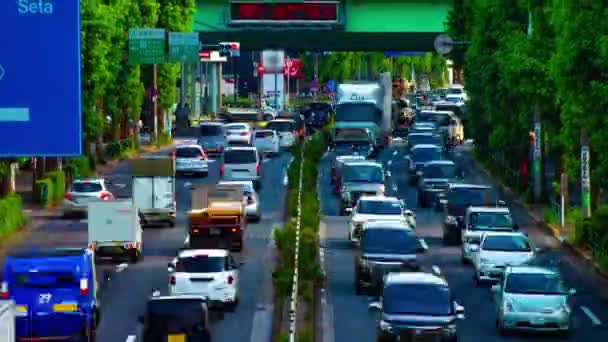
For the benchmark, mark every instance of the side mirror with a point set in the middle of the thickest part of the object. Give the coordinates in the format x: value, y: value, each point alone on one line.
x: 422, y: 246
x: 572, y: 292
x: 459, y: 310
x: 140, y: 319
x: 474, y: 248
x: 408, y: 212
x: 375, y: 306
x: 502, y: 203
x: 516, y: 227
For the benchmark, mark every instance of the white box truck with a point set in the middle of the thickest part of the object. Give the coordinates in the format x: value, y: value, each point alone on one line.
x: 154, y: 189
x: 7, y: 321
x: 114, y: 229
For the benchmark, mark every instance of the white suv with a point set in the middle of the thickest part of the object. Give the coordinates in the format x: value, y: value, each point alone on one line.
x: 81, y: 192
x: 212, y: 273
x: 242, y: 164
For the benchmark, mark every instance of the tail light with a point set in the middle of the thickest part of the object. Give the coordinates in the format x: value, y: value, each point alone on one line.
x: 244, y: 134
x: 172, y: 155
x: 386, y: 139
x: 220, y: 148
x: 222, y: 170
x: 69, y: 197
x: 258, y: 168
x: 171, y: 280
x: 84, y: 286
x: 4, y: 290
x: 106, y: 196
x: 234, y: 230
x: 92, y: 246
x: 230, y: 280
x: 129, y: 246
x: 195, y: 231
x: 203, y: 156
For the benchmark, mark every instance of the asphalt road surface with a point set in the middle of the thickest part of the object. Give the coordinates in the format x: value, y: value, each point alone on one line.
x: 353, y: 322
x: 124, y: 295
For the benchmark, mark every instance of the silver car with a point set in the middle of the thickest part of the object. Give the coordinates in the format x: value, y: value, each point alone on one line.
x: 81, y: 192
x: 267, y: 142
x: 238, y: 133
x: 496, y: 251
x: 252, y: 208
x: 191, y: 159
x: 532, y: 298
x: 242, y: 164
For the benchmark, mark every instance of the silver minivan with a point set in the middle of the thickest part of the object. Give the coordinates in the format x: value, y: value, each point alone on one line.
x: 242, y: 164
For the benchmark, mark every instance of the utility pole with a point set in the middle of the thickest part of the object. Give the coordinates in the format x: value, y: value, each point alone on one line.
x: 585, y: 176
x: 154, y: 102
x: 538, y: 186
x: 316, y: 74
x: 236, y: 81
x: 563, y: 201
x: 288, y: 79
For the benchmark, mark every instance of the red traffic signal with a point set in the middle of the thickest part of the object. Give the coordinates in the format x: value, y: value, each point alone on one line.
x: 260, y: 70
x: 234, y: 46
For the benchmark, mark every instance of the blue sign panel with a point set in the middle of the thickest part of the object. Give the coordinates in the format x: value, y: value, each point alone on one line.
x: 40, y: 91
x: 403, y: 54
x: 331, y: 85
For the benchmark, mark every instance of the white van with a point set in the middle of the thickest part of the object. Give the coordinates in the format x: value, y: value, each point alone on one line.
x: 154, y: 189
x: 114, y: 229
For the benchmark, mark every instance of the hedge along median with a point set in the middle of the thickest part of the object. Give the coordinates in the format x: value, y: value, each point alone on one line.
x: 50, y: 189
x: 309, y: 272
x: 11, y: 214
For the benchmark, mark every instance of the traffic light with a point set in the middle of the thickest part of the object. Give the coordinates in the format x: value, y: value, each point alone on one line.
x: 229, y: 49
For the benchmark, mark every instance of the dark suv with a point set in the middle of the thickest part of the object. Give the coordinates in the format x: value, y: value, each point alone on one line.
x: 417, y: 306
x: 434, y: 180
x: 212, y: 138
x: 385, y: 247
x: 455, y: 202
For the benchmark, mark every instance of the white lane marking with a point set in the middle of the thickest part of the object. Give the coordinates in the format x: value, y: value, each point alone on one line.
x: 390, y: 162
x: 84, y: 220
x: 395, y: 187
x: 394, y: 153
x: 120, y: 185
x: 591, y: 316
x: 262, y: 323
x: 285, y: 180
x: 265, y: 161
x: 388, y: 173
x: 187, y: 184
x: 121, y: 267
x: 436, y: 269
x: 131, y: 338
x: 423, y: 244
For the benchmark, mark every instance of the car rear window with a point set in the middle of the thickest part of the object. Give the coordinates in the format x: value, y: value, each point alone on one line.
x: 417, y: 299
x: 175, y: 315
x: 46, y: 280
x: 319, y: 106
x: 240, y: 157
x: 264, y: 134
x: 187, y: 152
x: 211, y: 130
x: 236, y: 127
x: 281, y: 126
x: 470, y: 196
x: 86, y: 187
x: 200, y: 264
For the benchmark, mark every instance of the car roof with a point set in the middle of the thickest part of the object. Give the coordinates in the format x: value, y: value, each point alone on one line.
x: 88, y: 180
x: 353, y: 158
x: 468, y: 185
x: 531, y: 269
x: 282, y: 120
x: 415, y: 278
x: 214, y: 253
x: 439, y: 162
x: 193, y: 297
x: 379, y: 198
x: 211, y: 123
x: 265, y: 131
x: 489, y: 209
x: 240, y: 148
x: 50, y: 253
x: 363, y: 163
x: 248, y: 183
x: 485, y: 234
x: 422, y: 133
x: 388, y: 224
x: 421, y: 146
x: 188, y: 146
x: 237, y: 124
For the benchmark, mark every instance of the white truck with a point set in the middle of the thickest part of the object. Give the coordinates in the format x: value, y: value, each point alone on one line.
x: 114, y: 229
x: 154, y: 189
x: 7, y: 321
x: 367, y: 105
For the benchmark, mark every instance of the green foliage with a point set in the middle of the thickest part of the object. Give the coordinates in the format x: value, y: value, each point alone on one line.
x: 118, y: 149
x: 45, y: 193
x: 11, y: 214
x: 458, y: 26
x: 79, y: 167
x: 58, y: 180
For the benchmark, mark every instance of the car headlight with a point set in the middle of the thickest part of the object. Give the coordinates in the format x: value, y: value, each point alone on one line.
x: 382, y: 189
x: 418, y: 173
x: 386, y: 326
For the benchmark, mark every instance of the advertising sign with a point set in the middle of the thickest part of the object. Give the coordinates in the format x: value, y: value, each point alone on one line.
x: 293, y: 68
x: 272, y: 86
x: 273, y: 61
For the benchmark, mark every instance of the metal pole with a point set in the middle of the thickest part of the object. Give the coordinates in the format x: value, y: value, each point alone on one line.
x: 236, y: 81
x: 563, y: 194
x: 154, y: 103
x: 538, y: 186
x: 276, y: 90
x: 316, y: 74
x: 288, y: 79
x: 182, y: 86
x: 201, y: 89
x: 585, y: 176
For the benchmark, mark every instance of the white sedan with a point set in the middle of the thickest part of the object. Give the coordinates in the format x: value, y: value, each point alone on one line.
x: 238, y: 133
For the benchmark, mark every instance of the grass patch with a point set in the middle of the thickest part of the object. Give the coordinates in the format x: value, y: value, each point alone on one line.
x: 11, y: 214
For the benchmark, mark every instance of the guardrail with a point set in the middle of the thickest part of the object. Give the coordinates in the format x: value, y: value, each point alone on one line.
x: 293, y: 305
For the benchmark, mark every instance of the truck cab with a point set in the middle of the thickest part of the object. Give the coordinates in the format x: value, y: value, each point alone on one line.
x: 55, y: 291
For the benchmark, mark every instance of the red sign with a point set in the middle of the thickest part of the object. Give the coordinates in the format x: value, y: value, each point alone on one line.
x: 284, y: 12
x: 294, y: 67
x: 204, y: 54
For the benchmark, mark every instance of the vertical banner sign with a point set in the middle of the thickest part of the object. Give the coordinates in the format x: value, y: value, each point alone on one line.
x: 585, y: 181
x: 537, y: 162
x: 183, y: 47
x: 146, y: 46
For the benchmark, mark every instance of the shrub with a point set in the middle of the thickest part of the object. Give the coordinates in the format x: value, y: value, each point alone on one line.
x: 79, y: 167
x: 58, y: 179
x: 45, y: 192
x: 11, y: 214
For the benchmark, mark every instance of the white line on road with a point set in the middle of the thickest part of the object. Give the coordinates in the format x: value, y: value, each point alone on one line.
x: 121, y: 267
x: 591, y: 315
x: 120, y: 185
x: 394, y: 153
x: 84, y: 220
x: 187, y: 184
x: 390, y: 162
x: 131, y: 338
x: 285, y: 180
x: 388, y: 173
x: 436, y: 269
x: 423, y: 244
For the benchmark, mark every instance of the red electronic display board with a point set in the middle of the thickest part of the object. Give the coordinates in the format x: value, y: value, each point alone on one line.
x: 252, y: 12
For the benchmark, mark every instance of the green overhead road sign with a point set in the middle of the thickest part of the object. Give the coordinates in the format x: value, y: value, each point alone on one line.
x: 183, y: 47
x: 147, y: 46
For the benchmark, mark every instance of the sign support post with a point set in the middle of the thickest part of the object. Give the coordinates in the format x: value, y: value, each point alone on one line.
x: 585, y: 176
x: 537, y: 158
x: 562, y: 211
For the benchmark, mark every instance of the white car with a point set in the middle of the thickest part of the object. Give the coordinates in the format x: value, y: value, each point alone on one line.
x: 378, y: 208
x: 480, y: 220
x: 267, y: 142
x: 242, y: 164
x: 252, y: 206
x: 497, y: 251
x: 238, y: 133
x: 191, y: 159
x: 81, y: 192
x: 286, y: 129
x: 212, y: 273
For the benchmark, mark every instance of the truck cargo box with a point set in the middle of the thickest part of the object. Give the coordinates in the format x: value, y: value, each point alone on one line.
x: 153, y: 167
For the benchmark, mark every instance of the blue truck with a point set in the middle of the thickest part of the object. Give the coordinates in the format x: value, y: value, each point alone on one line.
x: 55, y: 291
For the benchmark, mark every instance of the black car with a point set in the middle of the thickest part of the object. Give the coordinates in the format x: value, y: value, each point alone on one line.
x: 434, y: 180
x: 456, y: 200
x: 417, y: 306
x: 427, y: 138
x: 385, y: 247
x: 318, y: 114
x: 420, y: 155
x: 185, y: 316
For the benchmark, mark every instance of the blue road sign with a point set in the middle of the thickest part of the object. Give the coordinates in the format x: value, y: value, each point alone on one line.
x: 403, y: 54
x: 331, y: 85
x: 40, y: 85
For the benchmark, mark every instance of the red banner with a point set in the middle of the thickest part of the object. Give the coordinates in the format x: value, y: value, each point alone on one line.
x: 294, y: 67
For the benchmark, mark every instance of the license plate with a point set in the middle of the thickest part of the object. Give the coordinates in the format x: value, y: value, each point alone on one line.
x: 215, y: 231
x: 538, y: 321
x: 211, y: 150
x: 117, y: 244
x: 65, y: 307
x: 176, y: 338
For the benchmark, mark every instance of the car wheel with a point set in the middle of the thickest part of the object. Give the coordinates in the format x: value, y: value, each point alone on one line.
x: 500, y: 328
x: 463, y: 260
x: 358, y: 288
x: 268, y: 117
x: 171, y: 223
x: 476, y: 279
x: 231, y: 307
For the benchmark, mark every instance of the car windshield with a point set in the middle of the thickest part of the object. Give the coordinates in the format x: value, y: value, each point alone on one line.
x: 453, y: 99
x: 265, y: 134
x: 470, y: 196
x: 247, y: 187
x: 417, y: 299
x: 358, y: 112
x: 187, y: 152
x: 440, y: 171
x: 200, y: 264
x: 400, y: 133
x: 363, y: 173
x: 379, y: 207
x: 240, y: 157
x: 489, y: 221
x: 388, y: 241
x: 421, y: 155
x: 86, y: 187
x: 505, y: 243
x: 174, y: 315
x: 455, y: 91
x: 423, y: 139
x: 281, y: 126
x: 535, y: 283
x: 211, y: 130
